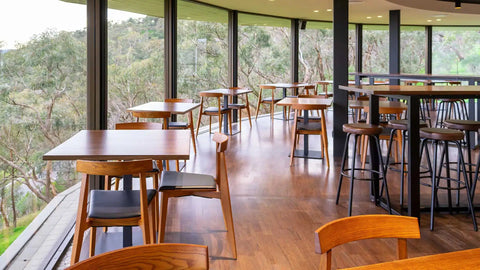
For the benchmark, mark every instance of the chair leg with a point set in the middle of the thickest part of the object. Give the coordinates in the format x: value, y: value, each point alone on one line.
x: 93, y: 237
x: 248, y: 112
x: 325, y: 138
x: 272, y: 109
x: 239, y: 119
x: 152, y: 221
x: 198, y: 122
x: 193, y: 139
x: 230, y: 122
x: 228, y: 217
x: 163, y: 217
x: 294, y: 138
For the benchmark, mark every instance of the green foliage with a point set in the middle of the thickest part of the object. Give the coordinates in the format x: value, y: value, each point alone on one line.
x: 7, y: 236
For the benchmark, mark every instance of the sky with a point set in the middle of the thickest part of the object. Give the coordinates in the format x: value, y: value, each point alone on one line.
x: 21, y: 19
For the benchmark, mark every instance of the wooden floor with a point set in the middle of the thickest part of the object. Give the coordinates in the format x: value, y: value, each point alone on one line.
x: 276, y: 208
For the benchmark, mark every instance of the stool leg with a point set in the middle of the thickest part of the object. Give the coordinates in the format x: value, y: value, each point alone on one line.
x: 402, y: 168
x: 474, y: 184
x: 467, y: 186
x: 353, y: 176
x: 447, y: 161
x: 342, y: 167
x: 384, y: 176
x: 434, y: 176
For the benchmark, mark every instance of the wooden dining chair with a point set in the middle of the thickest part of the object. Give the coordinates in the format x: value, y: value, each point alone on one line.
x: 268, y: 100
x: 310, y: 128
x: 155, y: 256
x: 239, y: 107
x: 324, y: 91
x: 105, y: 208
x: 179, y: 184
x: 217, y: 110
x: 184, y: 125
x: 349, y: 229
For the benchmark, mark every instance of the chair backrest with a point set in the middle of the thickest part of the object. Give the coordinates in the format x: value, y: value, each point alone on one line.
x: 355, y: 228
x: 311, y: 96
x: 267, y: 87
x: 114, y: 167
x: 208, y: 94
x: 139, y: 125
x: 156, y: 256
x: 152, y: 114
x: 221, y: 170
x: 184, y: 100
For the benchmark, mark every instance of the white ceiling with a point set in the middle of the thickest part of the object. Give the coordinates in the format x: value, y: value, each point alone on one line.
x: 412, y: 12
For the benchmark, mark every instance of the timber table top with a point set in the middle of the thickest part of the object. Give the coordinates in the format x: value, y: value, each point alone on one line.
x: 124, y: 145
x: 464, y: 259
x: 173, y: 107
x: 415, y: 90
x: 315, y: 102
x: 230, y: 92
x: 289, y: 85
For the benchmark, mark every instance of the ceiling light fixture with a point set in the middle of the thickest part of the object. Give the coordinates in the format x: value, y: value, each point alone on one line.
x: 369, y: 17
x: 316, y: 10
x: 438, y: 20
x: 379, y: 16
x: 458, y: 4
x: 329, y: 10
x: 429, y: 20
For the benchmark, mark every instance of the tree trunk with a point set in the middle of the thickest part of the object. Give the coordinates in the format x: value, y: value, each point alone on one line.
x: 2, y: 208
x: 12, y: 194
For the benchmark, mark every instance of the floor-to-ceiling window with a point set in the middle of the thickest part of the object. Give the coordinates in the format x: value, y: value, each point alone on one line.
x: 135, y: 57
x: 316, y: 52
x: 375, y: 48
x: 412, y: 49
x: 263, y: 51
x: 456, y: 50
x: 43, y: 85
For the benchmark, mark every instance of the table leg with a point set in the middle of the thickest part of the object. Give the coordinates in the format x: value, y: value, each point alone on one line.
x: 305, y: 136
x: 127, y: 230
x: 374, y: 158
x: 225, y: 119
x: 413, y: 157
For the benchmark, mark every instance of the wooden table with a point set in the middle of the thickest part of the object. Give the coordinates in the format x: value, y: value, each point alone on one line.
x: 412, y: 94
x: 124, y: 145
x: 284, y: 86
x: 464, y: 259
x: 315, y: 102
x: 173, y: 107
x: 229, y: 92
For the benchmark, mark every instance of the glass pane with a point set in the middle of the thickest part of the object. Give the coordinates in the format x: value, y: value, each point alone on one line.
x: 135, y: 57
x: 375, y: 49
x: 316, y: 52
x: 412, y: 54
x: 456, y: 50
x: 263, y: 51
x: 43, y: 86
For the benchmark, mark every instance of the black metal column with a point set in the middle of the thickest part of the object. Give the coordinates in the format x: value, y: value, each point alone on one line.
x: 97, y: 64
x: 358, y: 47
x: 428, y: 49
x: 233, y: 55
x: 170, y: 69
x: 394, y: 64
x: 295, y: 36
x: 340, y: 74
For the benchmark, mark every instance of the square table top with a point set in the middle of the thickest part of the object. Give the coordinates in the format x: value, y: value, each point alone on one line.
x: 415, y: 90
x: 124, y: 145
x: 229, y: 92
x: 173, y: 107
x: 289, y: 101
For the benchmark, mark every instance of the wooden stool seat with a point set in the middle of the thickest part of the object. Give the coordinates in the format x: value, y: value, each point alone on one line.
x: 441, y: 134
x: 467, y: 125
x: 402, y: 124
x: 362, y: 129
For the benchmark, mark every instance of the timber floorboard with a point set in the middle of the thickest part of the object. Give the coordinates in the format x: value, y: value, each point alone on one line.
x: 276, y: 208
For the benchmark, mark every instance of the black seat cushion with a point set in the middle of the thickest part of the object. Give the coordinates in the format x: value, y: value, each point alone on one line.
x: 181, y: 180
x: 215, y: 109
x: 237, y: 105
x: 309, y: 126
x: 177, y: 124
x: 110, y: 204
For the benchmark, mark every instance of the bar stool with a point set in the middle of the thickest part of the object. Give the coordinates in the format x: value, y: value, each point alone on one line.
x: 358, y: 130
x: 466, y: 126
x: 402, y: 125
x: 446, y: 136
x: 451, y: 108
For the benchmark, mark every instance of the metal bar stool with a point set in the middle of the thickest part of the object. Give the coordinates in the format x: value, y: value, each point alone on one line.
x: 358, y: 130
x: 437, y: 135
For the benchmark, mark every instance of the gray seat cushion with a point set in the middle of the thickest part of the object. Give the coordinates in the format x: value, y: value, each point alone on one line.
x: 111, y: 204
x: 215, y: 109
x: 180, y: 180
x: 177, y: 124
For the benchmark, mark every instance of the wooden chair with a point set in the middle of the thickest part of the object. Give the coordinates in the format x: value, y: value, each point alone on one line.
x: 108, y: 208
x: 310, y: 128
x: 179, y: 184
x: 184, y: 125
x: 268, y: 100
x: 164, y: 116
x: 156, y: 256
x: 324, y: 91
x: 349, y: 229
x: 239, y: 107
x: 218, y: 110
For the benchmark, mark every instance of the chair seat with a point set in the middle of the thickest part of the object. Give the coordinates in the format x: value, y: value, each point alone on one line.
x: 177, y: 124
x: 442, y: 134
x: 402, y: 124
x: 362, y: 129
x: 215, y: 110
x: 110, y: 204
x: 469, y: 125
x: 309, y: 126
x: 172, y: 180
x: 237, y: 106
x: 269, y: 100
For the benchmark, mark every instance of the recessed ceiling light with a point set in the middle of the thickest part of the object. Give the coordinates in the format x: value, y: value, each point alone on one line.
x: 379, y: 16
x: 329, y: 10
x: 438, y: 20
x: 271, y: 0
x: 316, y: 10
x: 369, y: 17
x: 439, y: 15
x: 429, y: 20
